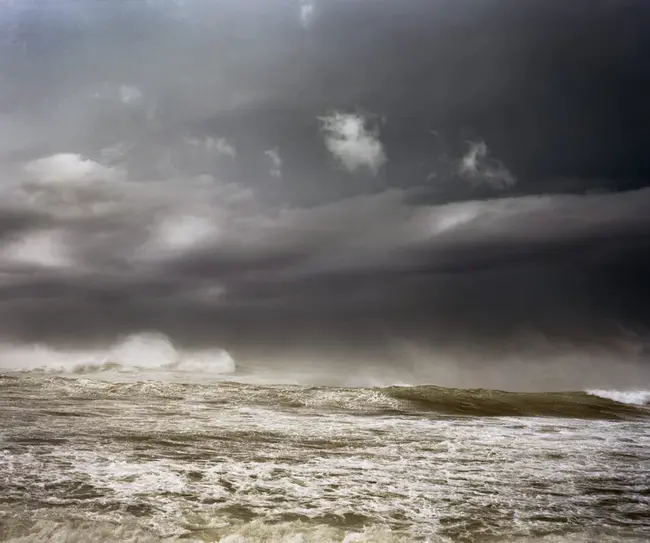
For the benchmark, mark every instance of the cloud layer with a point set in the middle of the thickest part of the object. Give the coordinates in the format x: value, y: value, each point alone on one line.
x: 239, y: 206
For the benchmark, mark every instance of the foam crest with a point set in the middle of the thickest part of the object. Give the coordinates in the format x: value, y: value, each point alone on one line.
x: 141, y: 353
x: 631, y: 397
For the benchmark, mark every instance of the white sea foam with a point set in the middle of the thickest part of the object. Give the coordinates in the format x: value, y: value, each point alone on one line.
x: 288, y: 532
x: 632, y: 397
x: 140, y: 353
x: 190, y: 462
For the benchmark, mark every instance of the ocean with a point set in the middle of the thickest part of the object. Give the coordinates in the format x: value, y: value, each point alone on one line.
x: 110, y: 454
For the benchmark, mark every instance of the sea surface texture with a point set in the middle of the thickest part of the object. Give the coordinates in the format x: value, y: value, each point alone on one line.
x: 86, y: 459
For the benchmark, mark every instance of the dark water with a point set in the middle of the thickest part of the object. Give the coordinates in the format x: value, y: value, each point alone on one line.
x: 90, y: 460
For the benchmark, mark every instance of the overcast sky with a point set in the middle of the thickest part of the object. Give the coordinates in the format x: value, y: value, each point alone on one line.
x: 424, y: 184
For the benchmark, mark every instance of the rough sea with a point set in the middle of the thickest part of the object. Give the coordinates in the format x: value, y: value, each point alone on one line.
x: 115, y: 453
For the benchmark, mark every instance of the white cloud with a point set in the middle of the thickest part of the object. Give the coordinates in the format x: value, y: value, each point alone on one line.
x: 43, y: 248
x: 307, y: 12
x: 67, y: 168
x: 183, y: 232
x: 130, y: 95
x: 222, y: 146
x: 69, y: 185
x: 349, y: 139
x: 276, y: 162
x: 479, y: 169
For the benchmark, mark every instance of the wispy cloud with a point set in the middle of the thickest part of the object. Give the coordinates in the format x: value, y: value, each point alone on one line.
x: 307, y: 12
x: 276, y: 162
x: 479, y: 168
x: 222, y: 146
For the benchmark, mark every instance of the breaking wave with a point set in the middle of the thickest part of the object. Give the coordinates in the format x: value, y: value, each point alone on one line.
x: 147, y: 352
x: 415, y: 400
x: 633, y: 397
x: 482, y: 402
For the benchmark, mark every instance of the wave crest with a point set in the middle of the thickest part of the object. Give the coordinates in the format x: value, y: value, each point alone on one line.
x: 139, y: 353
x: 483, y: 402
x: 632, y: 397
x: 396, y: 400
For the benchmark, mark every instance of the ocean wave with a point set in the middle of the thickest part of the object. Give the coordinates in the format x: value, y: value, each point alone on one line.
x: 481, y: 402
x: 412, y: 400
x: 632, y: 397
x: 142, y: 353
x: 288, y: 532
x: 250, y: 532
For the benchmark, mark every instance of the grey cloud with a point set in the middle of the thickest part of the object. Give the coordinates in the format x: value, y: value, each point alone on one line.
x: 144, y: 189
x: 364, y: 254
x: 17, y: 221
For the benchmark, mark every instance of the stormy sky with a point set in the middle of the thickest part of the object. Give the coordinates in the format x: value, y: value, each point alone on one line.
x: 428, y: 186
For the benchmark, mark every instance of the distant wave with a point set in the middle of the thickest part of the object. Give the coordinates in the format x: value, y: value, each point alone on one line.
x: 481, y: 402
x: 415, y: 400
x: 633, y: 397
x: 147, y: 352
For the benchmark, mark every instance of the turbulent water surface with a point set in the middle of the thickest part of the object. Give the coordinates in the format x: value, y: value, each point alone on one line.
x: 88, y: 459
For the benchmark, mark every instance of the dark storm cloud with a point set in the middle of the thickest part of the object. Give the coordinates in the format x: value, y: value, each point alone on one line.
x: 470, y: 269
x: 535, y: 81
x: 13, y: 222
x: 327, y: 178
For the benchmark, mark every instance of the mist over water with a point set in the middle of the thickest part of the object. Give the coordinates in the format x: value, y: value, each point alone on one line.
x: 324, y: 271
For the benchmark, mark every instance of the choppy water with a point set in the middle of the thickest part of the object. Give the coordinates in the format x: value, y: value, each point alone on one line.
x: 83, y: 459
